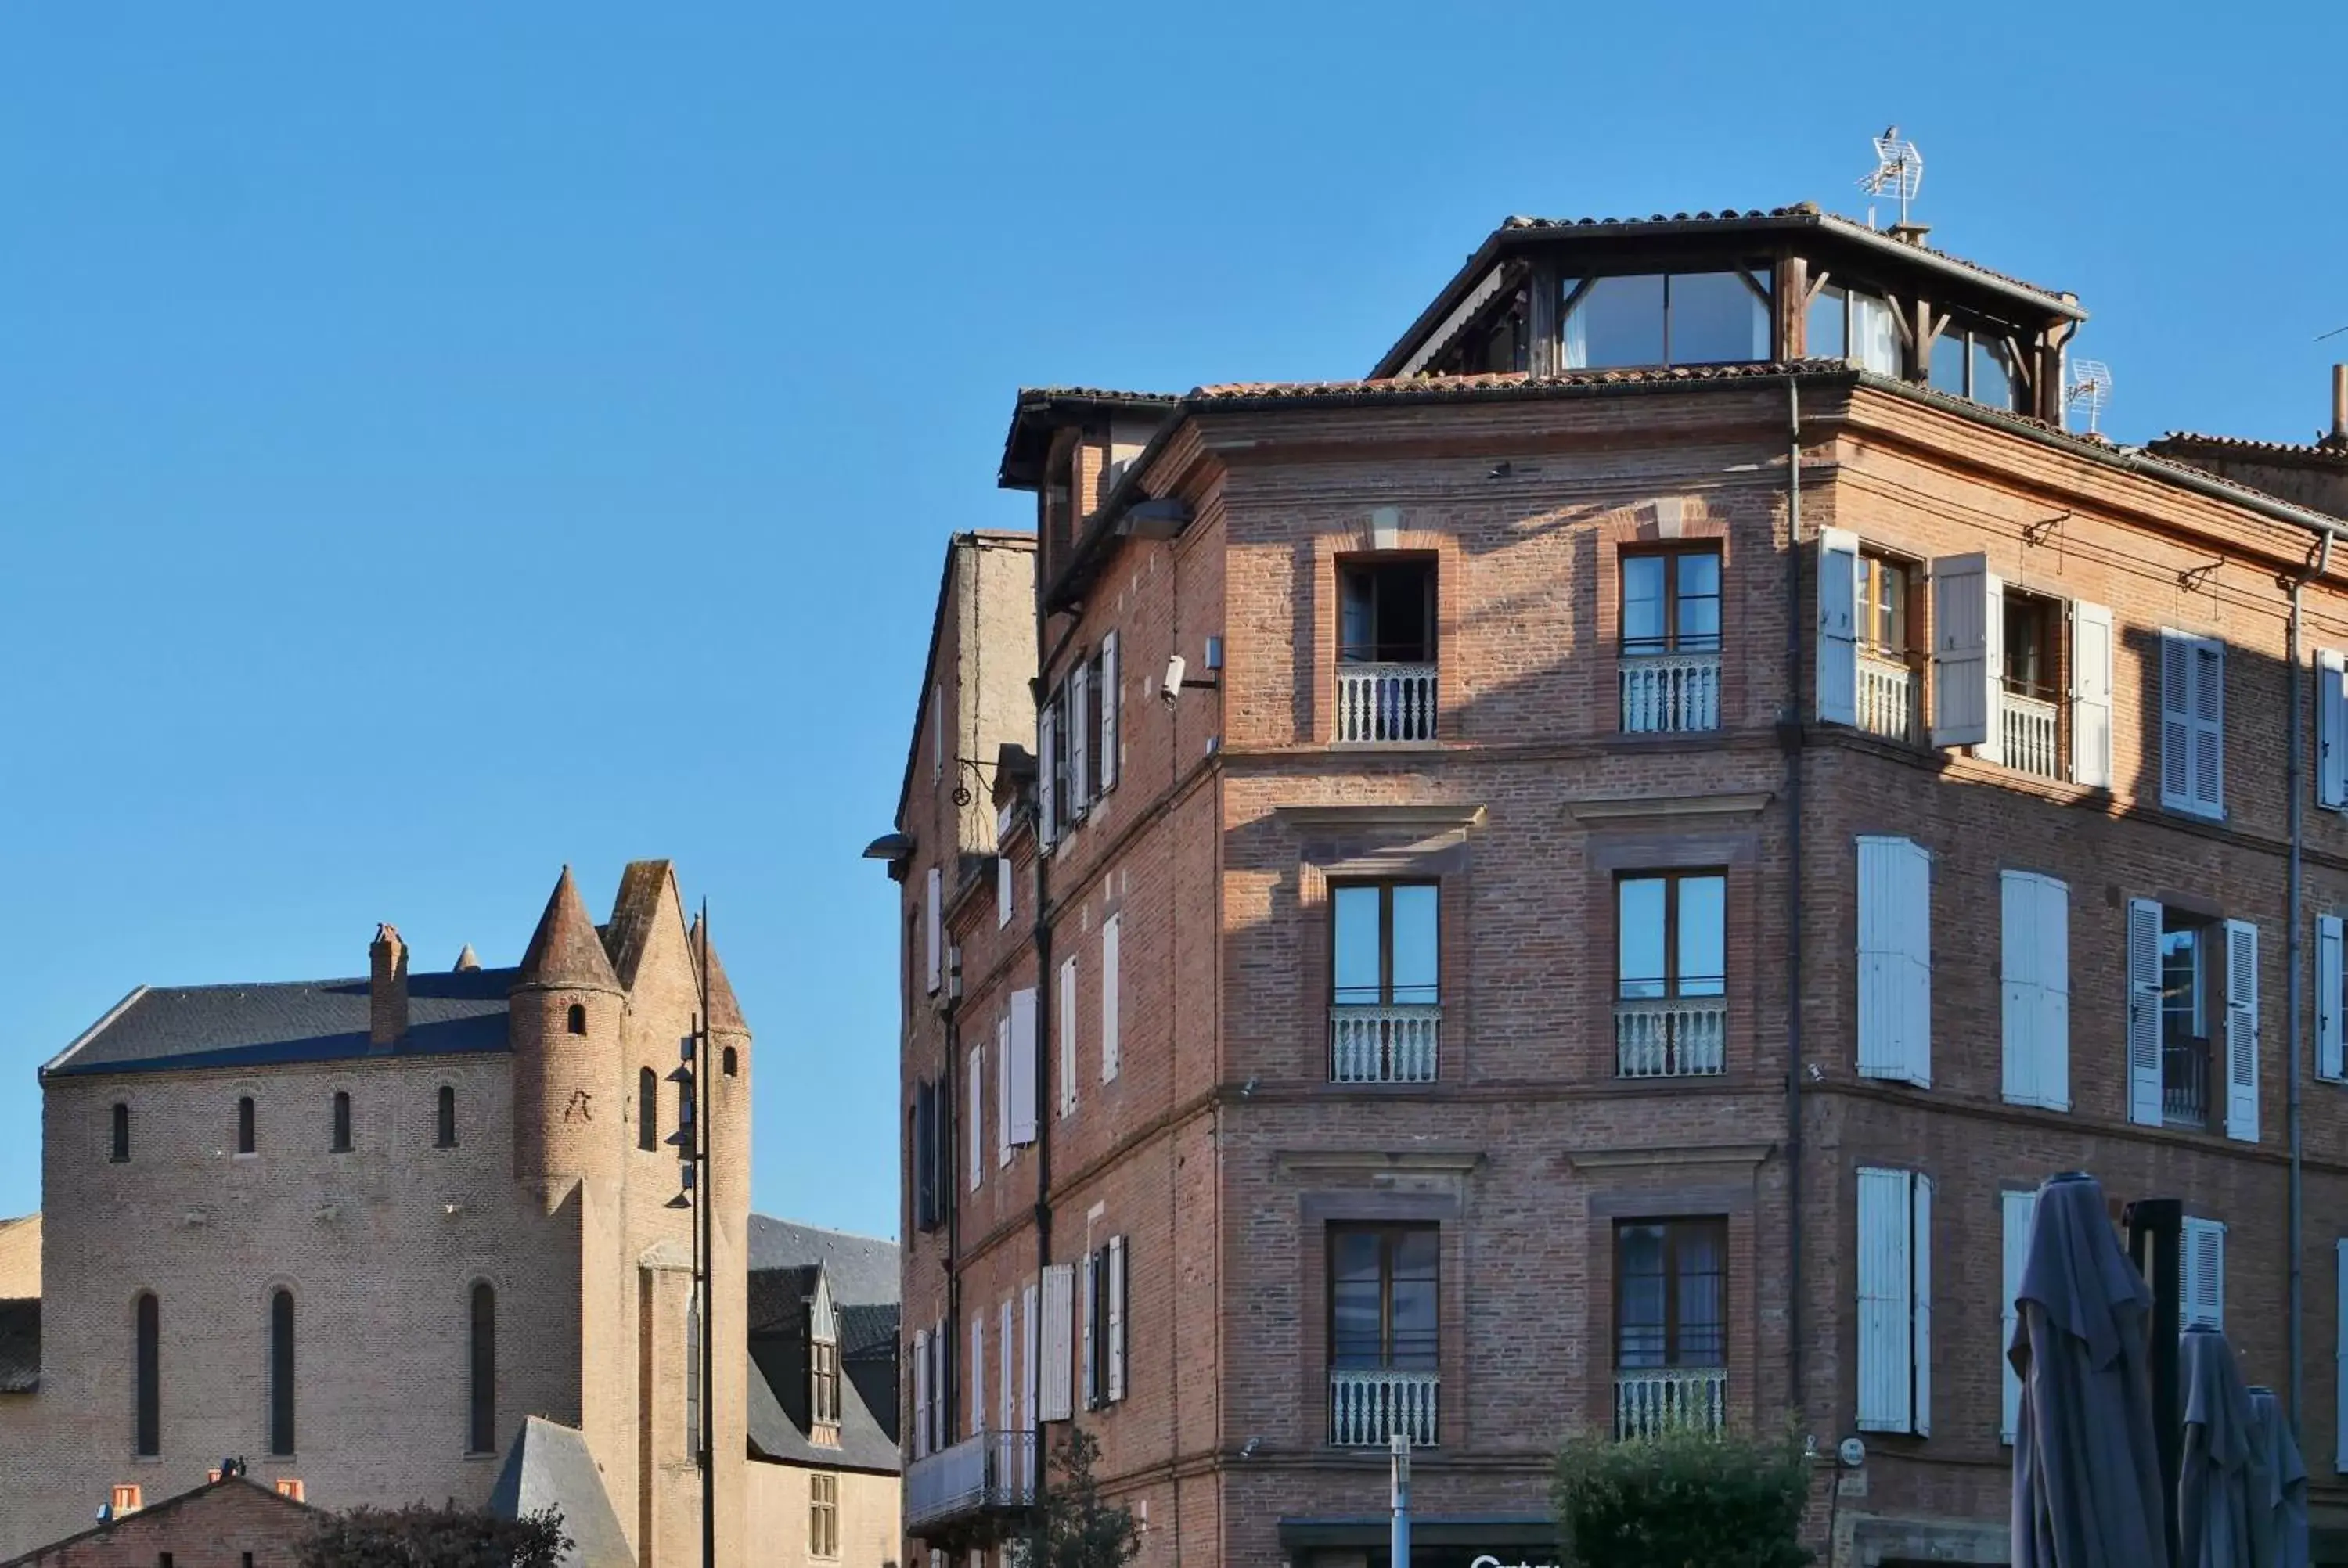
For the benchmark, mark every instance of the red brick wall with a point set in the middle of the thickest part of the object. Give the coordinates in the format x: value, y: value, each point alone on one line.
x: 230, y: 1524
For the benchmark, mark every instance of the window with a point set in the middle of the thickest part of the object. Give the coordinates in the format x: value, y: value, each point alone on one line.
x: 244, y: 1127
x: 731, y: 1062
x: 2188, y: 945
x: 1670, y: 602
x: 921, y: 1145
x: 444, y: 1133
x: 693, y: 1380
x: 1895, y: 960
x: 147, y: 1399
x: 1673, y: 937
x: 1845, y: 324
x: 823, y: 1514
x: 481, y: 1427
x: 121, y: 1134
x: 1883, y: 607
x: 1103, y: 1324
x: 1895, y: 1301
x: 1387, y: 612
x: 647, y: 1108
x: 1680, y: 318
x: 2028, y: 668
x: 576, y: 1020
x: 2025, y: 731
x: 1974, y: 363
x: 281, y: 1372
x: 2036, y: 972
x: 823, y: 1380
x: 1670, y: 1294
x: 1382, y: 1296
x: 2192, y: 723
x: 340, y: 1143
x: 1384, y: 952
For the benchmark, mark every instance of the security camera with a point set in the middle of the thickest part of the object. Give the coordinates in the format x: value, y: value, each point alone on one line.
x: 1171, y: 687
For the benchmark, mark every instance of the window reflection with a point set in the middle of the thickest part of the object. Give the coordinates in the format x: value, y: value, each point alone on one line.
x: 1656, y: 318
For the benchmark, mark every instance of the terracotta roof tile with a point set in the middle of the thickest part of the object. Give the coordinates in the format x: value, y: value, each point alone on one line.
x: 1501, y: 383
x: 2317, y: 450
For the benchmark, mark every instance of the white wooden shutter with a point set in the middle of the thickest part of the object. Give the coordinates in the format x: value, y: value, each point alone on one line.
x: 1030, y: 1325
x: 1920, y: 1256
x: 2330, y: 728
x: 1003, y: 1089
x: 1111, y: 698
x: 2054, y: 994
x: 2340, y: 1356
x: 1048, y: 792
x: 2203, y: 1260
x: 2209, y: 727
x: 933, y: 920
x: 2090, y: 695
x: 977, y: 1117
x: 1080, y: 793
x: 1965, y: 648
x: 1895, y: 960
x: 1885, y: 1303
x: 1068, y: 1034
x: 2036, y: 971
x: 1110, y: 1019
x: 2330, y: 932
x: 1088, y: 1329
x: 977, y: 1374
x: 921, y: 1393
x: 941, y: 1411
x: 1059, y: 1314
x: 1116, y: 1308
x: 2143, y: 1012
x: 2020, y: 1210
x: 1007, y: 1367
x: 2176, y: 719
x: 1838, y: 627
x: 2242, y: 1032
x: 1023, y: 1066
x: 1003, y: 891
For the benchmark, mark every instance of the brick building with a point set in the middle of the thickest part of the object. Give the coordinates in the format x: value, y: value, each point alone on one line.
x: 409, y: 1236
x: 1582, y: 879
x: 229, y: 1521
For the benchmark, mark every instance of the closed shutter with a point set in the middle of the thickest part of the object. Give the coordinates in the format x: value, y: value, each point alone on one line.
x: 1886, y: 1302
x: 1967, y: 601
x: 1067, y: 1035
x: 1895, y: 963
x: 2192, y: 723
x: 977, y: 1115
x: 2176, y: 719
x: 1003, y: 1089
x: 1023, y: 1066
x: 2020, y: 1209
x: 921, y: 1393
x: 2340, y: 1357
x: 2330, y: 728
x: 1110, y: 697
x: 1110, y: 1020
x: 1003, y: 891
x: 925, y: 1171
x: 1116, y: 1310
x: 1088, y: 1335
x: 2209, y: 727
x: 2143, y: 1012
x: 1047, y: 726
x: 1030, y: 1324
x: 2330, y: 932
x: 2203, y: 1294
x: 2036, y: 973
x: 2242, y: 1032
x: 2090, y: 695
x: 940, y: 1410
x: 977, y: 1373
x: 1080, y: 794
x: 1920, y: 1259
x: 1006, y: 1365
x: 935, y: 922
x: 1059, y: 1314
x: 1838, y: 654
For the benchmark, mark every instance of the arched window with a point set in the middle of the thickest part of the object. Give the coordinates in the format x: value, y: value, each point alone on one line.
x: 121, y: 1134
x: 693, y: 1380
x: 148, y: 1395
x: 342, y: 1122
x: 647, y: 1110
x: 733, y: 1063
x: 578, y: 1019
x: 245, y: 1143
x: 281, y: 1372
x: 444, y: 1136
x: 481, y: 1436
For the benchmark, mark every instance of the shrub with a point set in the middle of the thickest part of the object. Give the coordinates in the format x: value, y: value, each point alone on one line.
x: 1682, y: 1499
x: 420, y: 1536
x: 1078, y: 1530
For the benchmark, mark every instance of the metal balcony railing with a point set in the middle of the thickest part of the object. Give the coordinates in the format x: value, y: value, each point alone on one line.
x: 1669, y: 692
x: 1886, y: 698
x: 1671, y: 1036
x: 1385, y: 703
x: 988, y: 1472
x: 1366, y: 1408
x: 1382, y: 1044
x: 2027, y: 731
x: 1657, y: 1399
x: 2185, y: 1082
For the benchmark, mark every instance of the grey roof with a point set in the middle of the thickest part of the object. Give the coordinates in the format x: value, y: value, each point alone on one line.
x: 551, y: 1466
x: 785, y: 1260
x: 863, y: 1269
x: 867, y: 1330
x: 777, y: 1434
x: 163, y: 1026
x: 20, y: 1344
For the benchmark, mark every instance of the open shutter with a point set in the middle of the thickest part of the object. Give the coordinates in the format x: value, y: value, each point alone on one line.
x: 1059, y: 1311
x: 1080, y: 794
x: 2021, y: 1011
x: 1838, y: 627
x: 1047, y: 724
x: 1008, y: 1367
x: 1116, y: 1334
x: 977, y: 1374
x: 921, y: 1393
x: 1023, y: 1066
x: 2209, y: 727
x: 2203, y: 1293
x: 1964, y: 652
x: 1109, y: 1005
x: 1003, y: 1089
x: 934, y: 920
x: 1919, y: 1255
x: 2330, y: 728
x: 1031, y: 1322
x: 1068, y: 1034
x: 2176, y: 719
x: 2054, y: 994
x: 977, y: 1115
x: 1088, y: 1336
x: 2329, y: 934
x: 2143, y: 1012
x: 2340, y: 1357
x: 1886, y: 1315
x: 2090, y: 695
x: 1110, y: 697
x: 2020, y: 1209
x: 1895, y: 965
x: 1003, y: 891
x: 2242, y: 1032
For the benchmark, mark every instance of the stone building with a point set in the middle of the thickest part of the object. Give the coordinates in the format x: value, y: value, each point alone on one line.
x: 397, y: 1237
x: 1582, y: 880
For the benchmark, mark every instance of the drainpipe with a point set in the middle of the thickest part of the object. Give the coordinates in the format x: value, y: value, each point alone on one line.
x: 2295, y: 946
x: 1789, y: 735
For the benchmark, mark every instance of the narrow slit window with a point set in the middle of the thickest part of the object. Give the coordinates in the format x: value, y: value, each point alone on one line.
x: 281, y: 1373
x: 342, y: 1144
x: 444, y: 1134
x: 148, y: 1394
x: 244, y: 1126
x: 647, y: 1110
x: 482, y: 1434
x: 576, y: 1022
x: 121, y: 1134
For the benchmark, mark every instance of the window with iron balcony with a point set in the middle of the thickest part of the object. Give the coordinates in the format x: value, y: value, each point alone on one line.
x: 1670, y: 655
x: 1382, y: 1333
x: 1671, y: 1337
x: 1385, y: 652
x: 1887, y: 657
x: 2189, y: 955
x: 1385, y: 1012
x: 1671, y: 1008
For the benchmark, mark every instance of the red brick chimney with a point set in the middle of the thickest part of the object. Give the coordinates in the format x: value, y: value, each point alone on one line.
x: 387, y: 987
x: 2339, y: 406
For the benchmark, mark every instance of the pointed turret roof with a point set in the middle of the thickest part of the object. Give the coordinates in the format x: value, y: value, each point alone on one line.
x: 467, y: 959
x: 563, y: 950
x: 725, y: 1012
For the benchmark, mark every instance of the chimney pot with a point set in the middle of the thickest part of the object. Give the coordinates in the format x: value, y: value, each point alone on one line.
x: 387, y: 989
x: 289, y: 1487
x: 2340, y: 404
x: 125, y: 1501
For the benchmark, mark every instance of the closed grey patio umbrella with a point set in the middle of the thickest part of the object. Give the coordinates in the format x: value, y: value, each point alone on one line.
x: 2223, y: 1470
x: 2279, y: 1508
x: 2087, y: 1473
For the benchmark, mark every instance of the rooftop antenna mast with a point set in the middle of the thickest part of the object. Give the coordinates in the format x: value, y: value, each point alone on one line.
x: 1899, y: 171
x: 2090, y: 387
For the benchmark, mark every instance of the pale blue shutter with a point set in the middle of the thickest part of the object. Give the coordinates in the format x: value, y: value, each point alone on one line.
x: 2143, y: 1012
x: 2020, y: 1012
x: 1112, y: 1021
x: 2329, y: 1035
x: 2203, y: 1297
x: 2330, y: 728
x: 1048, y: 813
x: 1838, y: 653
x: 2242, y: 1032
x: 2090, y: 695
x: 2340, y: 1356
x: 2176, y: 719
x: 1895, y: 965
x: 2209, y: 727
x: 1885, y: 1303
x: 1965, y: 605
x: 1023, y: 1066
x: 1111, y: 699
x: 1920, y: 1256
x: 2020, y: 1209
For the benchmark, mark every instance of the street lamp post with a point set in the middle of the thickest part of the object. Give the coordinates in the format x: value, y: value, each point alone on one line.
x: 692, y: 1140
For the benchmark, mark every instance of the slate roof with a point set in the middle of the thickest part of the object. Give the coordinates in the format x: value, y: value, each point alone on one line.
x: 160, y: 1027
x: 863, y: 1269
x: 551, y: 1465
x: 20, y: 1344
x: 786, y: 1261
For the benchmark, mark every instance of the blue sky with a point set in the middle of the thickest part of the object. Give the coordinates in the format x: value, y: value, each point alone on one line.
x: 440, y: 442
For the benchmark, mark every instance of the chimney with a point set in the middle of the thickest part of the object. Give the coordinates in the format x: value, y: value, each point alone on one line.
x: 287, y: 1487
x: 125, y: 1501
x: 387, y: 987
x: 1911, y: 233
x: 2339, y: 436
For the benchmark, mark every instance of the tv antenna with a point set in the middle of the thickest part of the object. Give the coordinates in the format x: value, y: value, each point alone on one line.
x: 1899, y: 170
x: 2090, y: 387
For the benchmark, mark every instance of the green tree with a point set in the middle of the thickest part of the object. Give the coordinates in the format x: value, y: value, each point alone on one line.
x: 421, y: 1536
x: 1682, y: 1499
x: 1075, y: 1528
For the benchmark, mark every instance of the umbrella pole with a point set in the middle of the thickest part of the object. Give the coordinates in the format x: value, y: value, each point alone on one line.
x: 2156, y: 1228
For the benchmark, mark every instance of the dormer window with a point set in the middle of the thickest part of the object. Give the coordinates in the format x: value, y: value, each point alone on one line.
x: 1666, y: 318
x: 1850, y: 323
x: 1974, y: 363
x: 824, y: 1381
